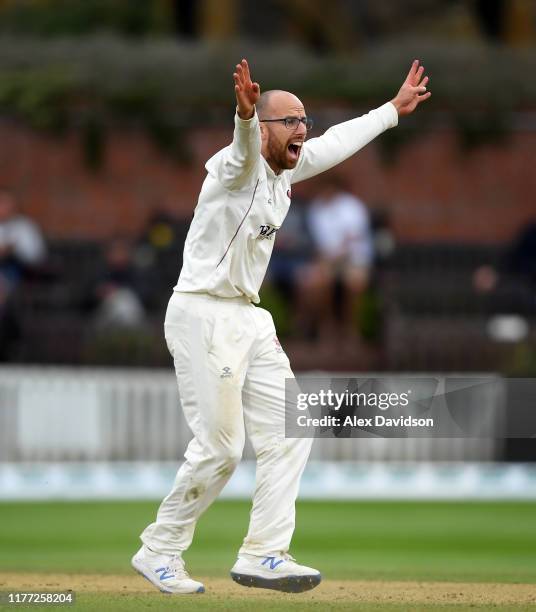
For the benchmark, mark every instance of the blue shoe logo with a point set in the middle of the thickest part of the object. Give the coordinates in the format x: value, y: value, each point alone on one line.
x: 273, y: 562
x: 163, y: 574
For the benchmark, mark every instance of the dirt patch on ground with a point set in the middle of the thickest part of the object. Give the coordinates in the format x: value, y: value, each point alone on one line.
x: 329, y: 590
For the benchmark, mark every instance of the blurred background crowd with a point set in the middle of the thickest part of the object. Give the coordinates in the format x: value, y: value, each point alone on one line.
x: 417, y: 254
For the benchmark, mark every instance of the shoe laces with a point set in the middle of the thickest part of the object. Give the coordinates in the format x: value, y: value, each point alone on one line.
x: 287, y: 557
x: 175, y: 566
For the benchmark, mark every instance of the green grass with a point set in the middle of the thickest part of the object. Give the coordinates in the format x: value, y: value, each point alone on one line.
x: 484, y: 542
x: 98, y: 603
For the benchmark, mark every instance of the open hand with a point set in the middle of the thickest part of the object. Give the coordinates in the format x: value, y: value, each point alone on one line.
x: 247, y: 93
x: 413, y: 90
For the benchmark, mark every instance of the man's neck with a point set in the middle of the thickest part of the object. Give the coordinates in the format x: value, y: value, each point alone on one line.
x: 273, y: 167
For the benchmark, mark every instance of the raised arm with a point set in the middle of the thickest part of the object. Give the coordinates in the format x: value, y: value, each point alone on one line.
x: 247, y: 93
x: 234, y: 165
x: 412, y: 92
x: 343, y: 140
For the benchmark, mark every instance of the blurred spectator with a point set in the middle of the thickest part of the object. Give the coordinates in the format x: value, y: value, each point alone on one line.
x: 384, y: 244
x: 22, y: 249
x: 160, y: 234
x: 22, y: 246
x: 118, y: 293
x: 159, y: 254
x: 519, y: 263
x: 339, y: 225
x: 510, y: 288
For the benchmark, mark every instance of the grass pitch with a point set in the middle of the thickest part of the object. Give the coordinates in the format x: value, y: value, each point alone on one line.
x: 373, y: 555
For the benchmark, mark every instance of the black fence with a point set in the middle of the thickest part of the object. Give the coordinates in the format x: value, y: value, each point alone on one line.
x: 433, y: 316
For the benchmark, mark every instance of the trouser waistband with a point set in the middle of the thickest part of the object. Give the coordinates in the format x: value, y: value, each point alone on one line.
x: 240, y: 299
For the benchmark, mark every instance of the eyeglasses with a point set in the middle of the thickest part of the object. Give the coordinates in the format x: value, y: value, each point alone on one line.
x: 292, y: 123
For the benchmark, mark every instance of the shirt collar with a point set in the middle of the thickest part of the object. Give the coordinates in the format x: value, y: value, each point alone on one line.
x: 269, y: 171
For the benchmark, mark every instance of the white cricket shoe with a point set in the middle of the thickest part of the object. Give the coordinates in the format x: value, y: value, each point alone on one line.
x: 165, y: 572
x: 276, y: 571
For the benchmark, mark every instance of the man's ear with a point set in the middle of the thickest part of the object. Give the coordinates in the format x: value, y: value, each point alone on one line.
x: 264, y: 132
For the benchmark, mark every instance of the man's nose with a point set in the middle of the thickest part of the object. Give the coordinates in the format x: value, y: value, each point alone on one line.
x: 301, y: 129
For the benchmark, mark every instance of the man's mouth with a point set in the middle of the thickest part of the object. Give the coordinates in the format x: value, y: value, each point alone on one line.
x: 294, y: 149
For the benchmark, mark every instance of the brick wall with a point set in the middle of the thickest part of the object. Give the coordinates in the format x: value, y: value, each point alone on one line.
x: 432, y: 191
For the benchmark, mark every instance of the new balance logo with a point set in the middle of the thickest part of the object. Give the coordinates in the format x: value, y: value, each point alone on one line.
x: 163, y: 573
x: 273, y: 562
x: 267, y: 232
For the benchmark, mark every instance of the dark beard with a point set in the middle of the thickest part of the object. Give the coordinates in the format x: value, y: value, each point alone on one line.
x: 278, y: 156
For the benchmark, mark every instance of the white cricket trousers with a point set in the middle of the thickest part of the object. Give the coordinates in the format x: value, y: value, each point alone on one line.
x: 231, y: 372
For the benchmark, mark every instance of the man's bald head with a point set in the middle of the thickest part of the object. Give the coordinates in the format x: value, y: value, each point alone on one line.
x: 263, y: 103
x: 274, y: 100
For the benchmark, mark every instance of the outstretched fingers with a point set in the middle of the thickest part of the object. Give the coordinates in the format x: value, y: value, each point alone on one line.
x: 247, y: 93
x: 245, y: 69
x: 242, y: 77
x: 420, y: 88
x: 239, y: 76
x: 413, y: 91
x: 415, y: 74
x: 412, y: 71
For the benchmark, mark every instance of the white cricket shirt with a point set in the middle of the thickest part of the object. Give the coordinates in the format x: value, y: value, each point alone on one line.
x: 243, y: 203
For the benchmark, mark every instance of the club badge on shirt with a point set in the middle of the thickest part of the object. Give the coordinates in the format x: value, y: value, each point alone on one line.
x: 267, y: 232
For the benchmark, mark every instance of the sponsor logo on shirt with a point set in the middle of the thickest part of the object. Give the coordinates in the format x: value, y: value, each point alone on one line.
x: 267, y: 232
